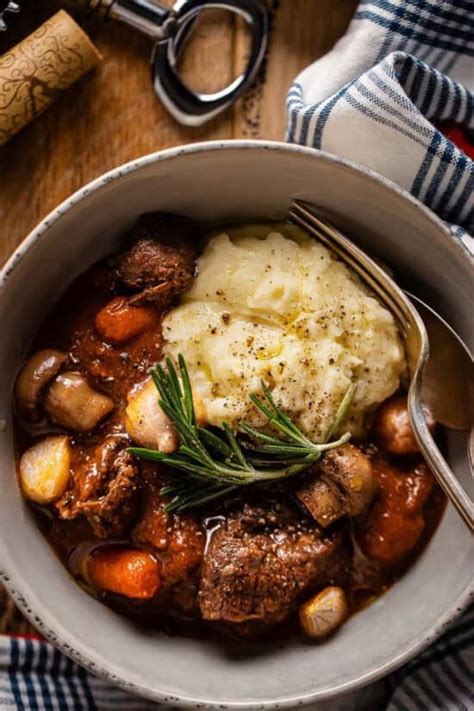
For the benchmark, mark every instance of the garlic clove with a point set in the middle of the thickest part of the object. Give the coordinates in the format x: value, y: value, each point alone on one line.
x: 324, y: 613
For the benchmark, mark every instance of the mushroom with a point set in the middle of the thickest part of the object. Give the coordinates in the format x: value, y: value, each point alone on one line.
x: 351, y: 470
x: 343, y: 484
x: 37, y: 372
x: 393, y: 429
x: 323, y: 501
x: 145, y: 421
x: 71, y: 402
x: 44, y: 469
x: 324, y: 613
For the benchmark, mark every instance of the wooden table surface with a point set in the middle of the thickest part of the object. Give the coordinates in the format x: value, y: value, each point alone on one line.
x: 112, y: 116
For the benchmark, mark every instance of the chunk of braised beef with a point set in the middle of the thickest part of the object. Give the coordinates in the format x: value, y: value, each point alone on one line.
x: 261, y: 563
x: 104, y: 489
x: 161, y: 261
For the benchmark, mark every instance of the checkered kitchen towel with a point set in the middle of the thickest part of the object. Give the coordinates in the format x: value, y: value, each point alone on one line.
x: 403, y: 66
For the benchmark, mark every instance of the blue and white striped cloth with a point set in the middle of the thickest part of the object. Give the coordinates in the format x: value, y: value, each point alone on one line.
x: 402, y: 65
x: 34, y: 676
x: 372, y: 99
x: 440, y: 679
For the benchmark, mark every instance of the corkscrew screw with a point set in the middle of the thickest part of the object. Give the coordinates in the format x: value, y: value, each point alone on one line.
x: 169, y: 28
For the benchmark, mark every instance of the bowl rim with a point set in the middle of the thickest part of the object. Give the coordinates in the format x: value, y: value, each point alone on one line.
x: 14, y: 581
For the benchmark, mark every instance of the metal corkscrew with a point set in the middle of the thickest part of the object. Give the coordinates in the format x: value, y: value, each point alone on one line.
x: 7, y: 6
x: 169, y: 28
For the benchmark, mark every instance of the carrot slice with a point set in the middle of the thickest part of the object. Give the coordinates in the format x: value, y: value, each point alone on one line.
x: 120, y: 321
x: 129, y: 572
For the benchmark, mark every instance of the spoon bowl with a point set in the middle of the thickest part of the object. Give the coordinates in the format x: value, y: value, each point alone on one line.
x: 448, y: 379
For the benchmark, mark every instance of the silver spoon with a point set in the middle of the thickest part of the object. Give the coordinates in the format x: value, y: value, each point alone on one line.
x: 415, y: 337
x: 448, y: 380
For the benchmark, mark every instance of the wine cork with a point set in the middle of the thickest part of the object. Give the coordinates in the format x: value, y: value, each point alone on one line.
x: 39, y: 68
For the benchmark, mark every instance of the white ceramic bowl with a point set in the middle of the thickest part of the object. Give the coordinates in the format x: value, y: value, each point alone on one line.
x: 214, y: 181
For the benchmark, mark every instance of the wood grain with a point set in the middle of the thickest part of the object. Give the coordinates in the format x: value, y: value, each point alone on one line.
x: 301, y: 32
x: 113, y: 116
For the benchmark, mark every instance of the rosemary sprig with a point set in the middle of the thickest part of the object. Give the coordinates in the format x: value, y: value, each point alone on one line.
x: 217, y: 461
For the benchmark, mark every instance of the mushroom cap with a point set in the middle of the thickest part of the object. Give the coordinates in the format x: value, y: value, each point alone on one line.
x: 71, y: 402
x: 35, y: 375
x: 352, y: 471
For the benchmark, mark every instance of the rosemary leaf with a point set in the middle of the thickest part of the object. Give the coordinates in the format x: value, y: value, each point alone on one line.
x: 215, y: 442
x: 342, y: 410
x: 188, y: 394
x: 235, y: 447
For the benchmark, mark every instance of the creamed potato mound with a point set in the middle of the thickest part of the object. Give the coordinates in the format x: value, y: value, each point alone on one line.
x: 286, y: 311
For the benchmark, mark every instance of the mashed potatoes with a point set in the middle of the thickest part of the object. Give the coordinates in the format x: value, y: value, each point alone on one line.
x: 287, y: 312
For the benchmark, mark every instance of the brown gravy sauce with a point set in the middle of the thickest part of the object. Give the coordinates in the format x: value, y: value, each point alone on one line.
x: 115, y: 370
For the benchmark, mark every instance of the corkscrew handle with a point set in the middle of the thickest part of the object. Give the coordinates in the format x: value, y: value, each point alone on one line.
x: 145, y: 16
x: 5, y: 7
x: 170, y: 28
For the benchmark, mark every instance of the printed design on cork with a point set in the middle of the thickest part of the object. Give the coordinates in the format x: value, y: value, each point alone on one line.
x: 34, y: 72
